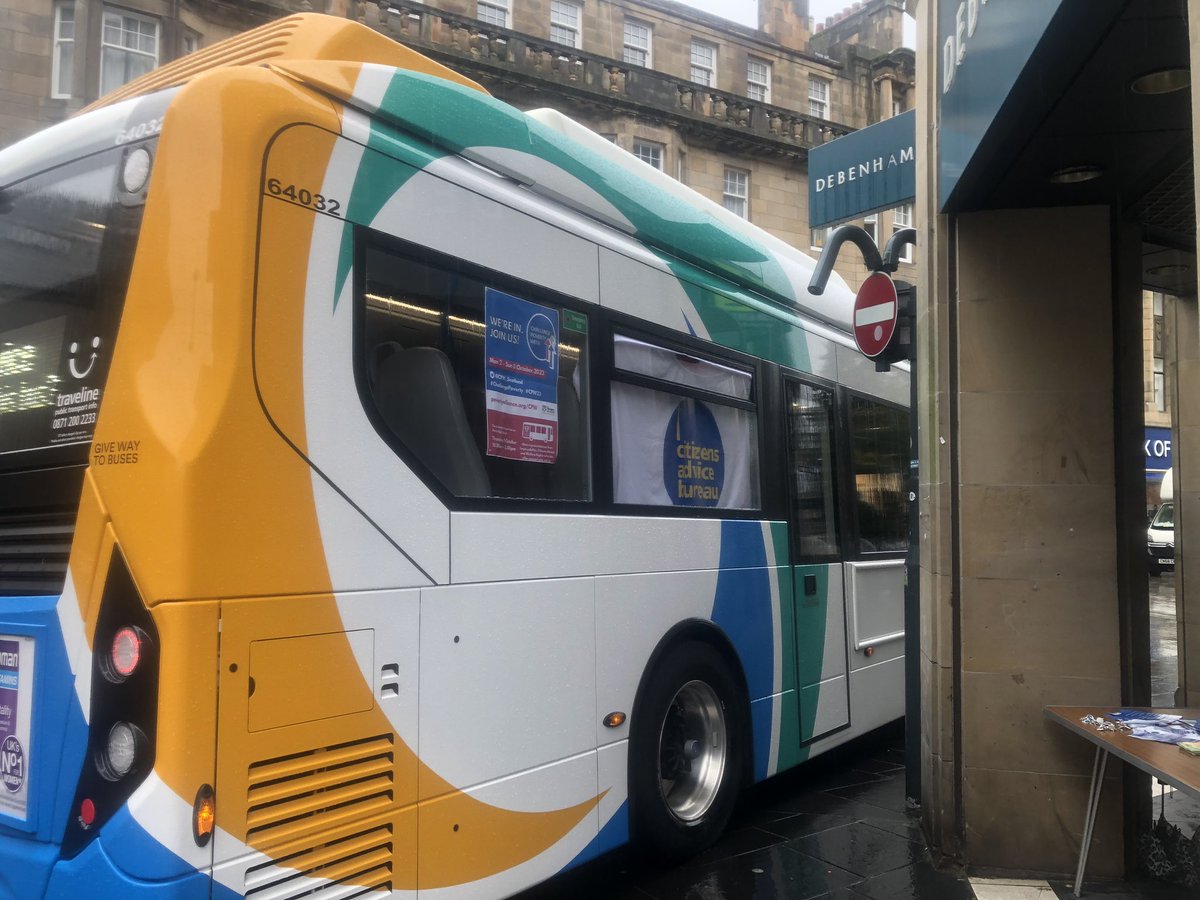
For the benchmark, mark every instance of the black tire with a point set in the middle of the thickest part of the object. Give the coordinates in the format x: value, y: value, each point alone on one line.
x: 1155, y: 568
x: 688, y: 705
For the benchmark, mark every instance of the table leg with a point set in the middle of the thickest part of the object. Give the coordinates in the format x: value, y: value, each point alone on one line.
x: 1098, y: 766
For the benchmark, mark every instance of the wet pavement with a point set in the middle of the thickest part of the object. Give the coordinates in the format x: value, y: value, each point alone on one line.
x: 1164, y: 640
x: 838, y: 828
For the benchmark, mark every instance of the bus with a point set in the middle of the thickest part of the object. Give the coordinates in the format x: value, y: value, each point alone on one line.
x: 405, y: 495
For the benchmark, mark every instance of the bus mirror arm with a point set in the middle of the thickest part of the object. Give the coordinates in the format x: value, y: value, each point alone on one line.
x: 895, y: 245
x: 857, y: 236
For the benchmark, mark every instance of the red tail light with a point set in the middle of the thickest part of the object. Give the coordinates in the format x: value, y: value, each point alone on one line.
x: 126, y: 652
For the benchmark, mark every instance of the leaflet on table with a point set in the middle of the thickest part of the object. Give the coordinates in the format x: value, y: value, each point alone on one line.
x: 1144, y: 717
x: 1176, y: 733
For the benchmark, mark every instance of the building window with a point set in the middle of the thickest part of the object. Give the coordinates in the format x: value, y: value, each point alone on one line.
x: 1160, y: 381
x: 758, y: 80
x: 638, y: 44
x: 62, y: 66
x: 128, y: 48
x: 902, y: 218
x: 608, y: 136
x: 737, y: 192
x: 564, y: 23
x: 493, y: 12
x: 704, y: 63
x: 818, y: 237
x: 818, y: 97
x: 871, y: 227
x: 897, y: 106
x: 649, y: 153
x: 191, y: 43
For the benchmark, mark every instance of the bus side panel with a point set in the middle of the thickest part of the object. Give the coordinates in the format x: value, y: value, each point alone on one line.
x: 316, y: 752
x: 305, y: 375
x: 821, y: 642
x: 507, y: 677
x: 875, y: 615
x: 634, y: 612
x: 647, y: 290
x: 858, y: 373
x: 508, y: 689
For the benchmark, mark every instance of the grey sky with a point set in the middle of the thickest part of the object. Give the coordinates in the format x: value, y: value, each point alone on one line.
x: 746, y: 11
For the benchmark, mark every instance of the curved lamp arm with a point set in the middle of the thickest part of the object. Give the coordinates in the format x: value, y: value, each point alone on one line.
x: 855, y: 235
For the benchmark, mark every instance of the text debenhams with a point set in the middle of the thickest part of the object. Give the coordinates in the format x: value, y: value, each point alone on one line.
x: 864, y: 169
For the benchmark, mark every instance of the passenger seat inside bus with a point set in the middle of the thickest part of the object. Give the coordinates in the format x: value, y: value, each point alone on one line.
x: 560, y: 480
x: 417, y: 396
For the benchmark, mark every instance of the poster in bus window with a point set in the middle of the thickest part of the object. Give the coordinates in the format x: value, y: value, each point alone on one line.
x: 16, y: 700
x: 521, y: 369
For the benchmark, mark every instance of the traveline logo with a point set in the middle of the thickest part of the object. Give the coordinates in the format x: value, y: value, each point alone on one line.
x: 864, y: 169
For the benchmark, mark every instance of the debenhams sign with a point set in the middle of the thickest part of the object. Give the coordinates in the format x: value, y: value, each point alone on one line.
x: 864, y: 172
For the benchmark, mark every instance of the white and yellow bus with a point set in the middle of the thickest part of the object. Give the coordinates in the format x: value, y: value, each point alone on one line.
x: 401, y: 494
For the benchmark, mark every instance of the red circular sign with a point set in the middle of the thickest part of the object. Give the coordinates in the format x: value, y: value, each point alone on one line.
x: 876, y: 309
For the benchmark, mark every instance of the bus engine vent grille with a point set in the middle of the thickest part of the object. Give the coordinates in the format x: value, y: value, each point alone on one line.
x: 353, y: 866
x: 33, y: 554
x: 325, y: 816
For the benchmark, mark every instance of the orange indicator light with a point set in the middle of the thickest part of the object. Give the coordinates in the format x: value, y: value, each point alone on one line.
x: 614, y: 720
x: 204, y: 815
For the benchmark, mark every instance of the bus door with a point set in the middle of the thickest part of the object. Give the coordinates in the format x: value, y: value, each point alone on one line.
x: 817, y: 576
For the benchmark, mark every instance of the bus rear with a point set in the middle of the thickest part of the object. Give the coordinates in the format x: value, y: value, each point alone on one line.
x: 127, y: 264
x: 76, y: 727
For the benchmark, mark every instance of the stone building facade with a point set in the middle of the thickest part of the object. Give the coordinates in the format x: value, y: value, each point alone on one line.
x: 730, y: 110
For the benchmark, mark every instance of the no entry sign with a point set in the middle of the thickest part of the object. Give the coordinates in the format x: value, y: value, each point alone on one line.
x: 875, y: 312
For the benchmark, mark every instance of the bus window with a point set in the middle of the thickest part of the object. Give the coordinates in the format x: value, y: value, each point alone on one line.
x: 684, y: 429
x: 497, y: 410
x: 810, y: 428
x: 65, y: 252
x: 880, y: 460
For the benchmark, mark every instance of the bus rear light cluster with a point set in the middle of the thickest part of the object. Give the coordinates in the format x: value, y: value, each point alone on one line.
x: 123, y: 711
x: 124, y: 654
x: 122, y: 752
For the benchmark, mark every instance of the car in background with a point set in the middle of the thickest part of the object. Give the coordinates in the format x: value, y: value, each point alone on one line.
x: 1160, y: 539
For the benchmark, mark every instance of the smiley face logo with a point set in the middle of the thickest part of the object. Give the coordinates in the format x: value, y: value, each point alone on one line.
x: 91, y: 362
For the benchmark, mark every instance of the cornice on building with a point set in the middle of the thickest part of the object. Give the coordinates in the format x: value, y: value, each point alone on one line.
x: 513, y: 63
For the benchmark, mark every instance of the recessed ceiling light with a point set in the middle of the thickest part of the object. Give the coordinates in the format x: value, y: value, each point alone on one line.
x: 1163, y: 81
x: 1075, y: 174
x: 1169, y: 269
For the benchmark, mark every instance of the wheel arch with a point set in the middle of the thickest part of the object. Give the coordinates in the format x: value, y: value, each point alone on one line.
x: 707, y: 632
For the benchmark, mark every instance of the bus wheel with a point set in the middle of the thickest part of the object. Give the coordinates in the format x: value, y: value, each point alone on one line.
x: 686, y: 752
